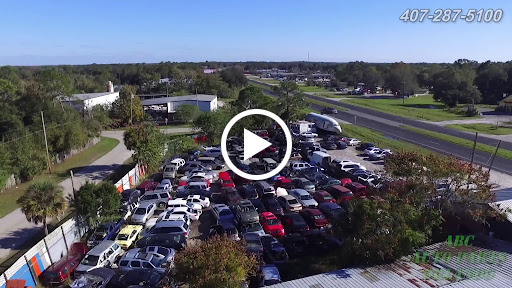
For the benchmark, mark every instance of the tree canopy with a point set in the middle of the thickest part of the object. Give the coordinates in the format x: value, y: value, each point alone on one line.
x: 126, y: 106
x: 454, y: 85
x: 215, y: 263
x: 147, y: 143
x: 187, y: 113
x: 96, y: 202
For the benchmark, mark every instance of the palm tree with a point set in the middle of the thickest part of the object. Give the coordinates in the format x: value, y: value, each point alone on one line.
x: 41, y: 200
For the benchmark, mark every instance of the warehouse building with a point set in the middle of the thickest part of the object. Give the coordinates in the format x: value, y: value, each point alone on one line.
x: 165, y: 107
x: 86, y: 101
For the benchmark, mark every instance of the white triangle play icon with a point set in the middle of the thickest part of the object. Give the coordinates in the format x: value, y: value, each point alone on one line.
x: 253, y: 144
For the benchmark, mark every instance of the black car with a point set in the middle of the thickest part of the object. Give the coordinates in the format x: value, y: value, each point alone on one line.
x: 225, y: 228
x: 175, y: 241
x: 316, y: 177
x: 258, y: 205
x: 364, y: 146
x: 321, y: 242
x: 273, y: 250
x: 329, y: 110
x: 294, y: 223
x: 254, y: 245
x: 295, y: 244
x: 97, y: 278
x: 330, y: 210
x: 272, y: 205
x: 329, y: 145
x: 248, y: 191
x: 148, y: 277
x: 340, y: 144
x: 129, y: 196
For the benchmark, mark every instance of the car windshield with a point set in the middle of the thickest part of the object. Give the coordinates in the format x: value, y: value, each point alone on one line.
x: 247, y: 209
x: 253, y: 228
x: 327, y: 196
x: 156, y: 261
x: 123, y: 237
x: 305, y: 197
x: 149, y: 197
x: 140, y: 211
x: 293, y: 201
x: 165, y: 230
x: 319, y: 216
x: 272, y: 221
x: 224, y: 212
x: 307, y: 183
x: 346, y: 194
x: 91, y: 260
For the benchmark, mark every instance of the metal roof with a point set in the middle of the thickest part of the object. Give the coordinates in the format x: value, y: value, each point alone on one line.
x: 405, y: 273
x: 503, y: 205
x: 165, y: 100
x: 88, y: 96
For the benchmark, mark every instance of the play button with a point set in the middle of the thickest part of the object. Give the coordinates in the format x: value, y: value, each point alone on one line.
x: 253, y: 144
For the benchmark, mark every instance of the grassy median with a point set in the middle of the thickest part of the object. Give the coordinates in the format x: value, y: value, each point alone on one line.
x: 484, y: 128
x: 462, y: 142
x: 60, y: 172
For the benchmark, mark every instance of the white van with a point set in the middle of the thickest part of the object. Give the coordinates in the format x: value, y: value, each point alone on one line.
x: 102, y: 255
x: 321, y: 159
x: 172, y: 167
x: 182, y: 203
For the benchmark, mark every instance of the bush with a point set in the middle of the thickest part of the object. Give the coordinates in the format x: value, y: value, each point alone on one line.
x: 471, y: 111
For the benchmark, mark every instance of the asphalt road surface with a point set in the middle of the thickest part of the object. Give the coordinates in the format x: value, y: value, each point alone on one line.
x: 389, y: 125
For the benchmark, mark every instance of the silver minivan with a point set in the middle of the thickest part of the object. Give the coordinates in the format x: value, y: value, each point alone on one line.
x: 102, y: 255
x: 264, y: 188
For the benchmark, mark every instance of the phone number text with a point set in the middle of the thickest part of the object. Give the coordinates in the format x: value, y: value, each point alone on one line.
x: 452, y: 15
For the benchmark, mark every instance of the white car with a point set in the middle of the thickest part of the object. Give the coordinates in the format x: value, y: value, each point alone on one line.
x: 193, y: 214
x: 304, y: 198
x: 167, y: 216
x: 308, y: 134
x: 206, y: 148
x: 297, y: 166
x: 347, y: 166
x: 352, y: 142
x: 371, y: 150
x: 197, y: 199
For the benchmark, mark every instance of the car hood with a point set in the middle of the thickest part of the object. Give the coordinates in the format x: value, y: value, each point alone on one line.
x: 250, y: 216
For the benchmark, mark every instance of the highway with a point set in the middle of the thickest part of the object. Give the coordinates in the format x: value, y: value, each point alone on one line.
x: 390, y: 127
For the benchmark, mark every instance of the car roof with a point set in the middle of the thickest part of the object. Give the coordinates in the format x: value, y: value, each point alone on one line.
x: 129, y: 228
x: 300, y: 191
x: 145, y: 204
x: 268, y: 215
x: 174, y: 223
x: 287, y: 197
x: 270, y: 272
x: 101, y: 247
x: 329, y: 205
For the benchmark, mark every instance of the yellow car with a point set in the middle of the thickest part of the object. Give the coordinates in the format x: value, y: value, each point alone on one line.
x: 128, y: 235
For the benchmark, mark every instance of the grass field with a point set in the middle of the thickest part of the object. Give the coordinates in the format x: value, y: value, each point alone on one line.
x: 312, y: 89
x: 462, y: 142
x: 59, y: 173
x: 368, y: 135
x: 420, y: 107
x: 321, y: 103
x: 483, y: 128
x: 267, y: 81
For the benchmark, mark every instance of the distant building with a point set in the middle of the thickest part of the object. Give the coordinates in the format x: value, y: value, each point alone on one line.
x: 506, y: 104
x: 86, y: 101
x: 206, y: 103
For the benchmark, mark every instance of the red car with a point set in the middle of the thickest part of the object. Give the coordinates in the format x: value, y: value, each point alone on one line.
x: 225, y: 180
x: 357, y: 188
x: 345, y: 181
x: 323, y: 196
x: 147, y: 185
x: 61, y: 270
x: 283, y: 183
x: 271, y: 225
x: 314, y: 218
x: 340, y: 193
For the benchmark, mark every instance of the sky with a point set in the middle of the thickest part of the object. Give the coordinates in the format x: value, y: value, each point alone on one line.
x: 84, y: 32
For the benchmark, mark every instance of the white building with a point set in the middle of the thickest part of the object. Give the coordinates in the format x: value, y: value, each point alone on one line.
x: 88, y: 100
x: 206, y: 103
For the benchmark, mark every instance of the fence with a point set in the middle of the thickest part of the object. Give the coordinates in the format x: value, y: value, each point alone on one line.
x: 46, y: 252
x: 56, y: 245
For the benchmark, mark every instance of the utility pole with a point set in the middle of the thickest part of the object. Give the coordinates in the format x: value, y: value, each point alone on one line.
x: 131, y: 109
x: 474, y: 148
x: 46, y: 143
x: 72, y: 182
x: 494, y: 155
x: 403, y: 94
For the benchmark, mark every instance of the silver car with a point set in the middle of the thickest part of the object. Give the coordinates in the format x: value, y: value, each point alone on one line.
x: 135, y: 259
x: 143, y: 213
x: 304, y: 198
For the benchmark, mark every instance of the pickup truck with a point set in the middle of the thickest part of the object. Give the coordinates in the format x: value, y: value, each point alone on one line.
x: 105, y: 231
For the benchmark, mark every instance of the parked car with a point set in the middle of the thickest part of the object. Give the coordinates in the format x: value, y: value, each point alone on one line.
x: 289, y: 203
x: 97, y: 278
x: 192, y: 165
x: 303, y: 183
x: 353, y: 142
x: 225, y: 180
x: 273, y: 251
x: 297, y: 166
x: 222, y: 213
x: 294, y: 223
x: 329, y: 110
x: 174, y: 241
x: 252, y: 228
x: 358, y: 189
x: 214, y: 152
x: 364, y: 146
x: 271, y: 224
x: 245, y: 212
x: 264, y: 188
x: 143, y: 213
x: 254, y: 245
x: 134, y: 259
x: 327, y: 182
x: 248, y: 191
x: 168, y: 253
x: 104, y: 231
x: 225, y: 228
x: 329, y: 145
x: 102, y: 255
x: 212, y: 162
x: 282, y: 182
x: 314, y: 218
x: 203, y: 201
x: 128, y: 235
x: 129, y: 197
x: 269, y: 275
x: 258, y: 205
x: 159, y: 197
x: 147, y: 185
x: 340, y: 193
x: 59, y: 271
x: 330, y: 210
x: 304, y: 198
x: 295, y: 244
x: 322, y: 196
x: 231, y: 197
x: 371, y: 150
x: 192, y: 213
x: 272, y: 205
x: 149, y: 277
x: 341, y: 144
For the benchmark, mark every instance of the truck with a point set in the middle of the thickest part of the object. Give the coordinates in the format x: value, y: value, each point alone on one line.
x: 321, y: 159
x: 105, y: 231
x: 300, y: 127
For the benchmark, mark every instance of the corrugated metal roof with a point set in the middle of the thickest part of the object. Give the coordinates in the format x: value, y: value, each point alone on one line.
x: 406, y: 273
x: 503, y: 205
x: 87, y: 96
x: 165, y: 100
